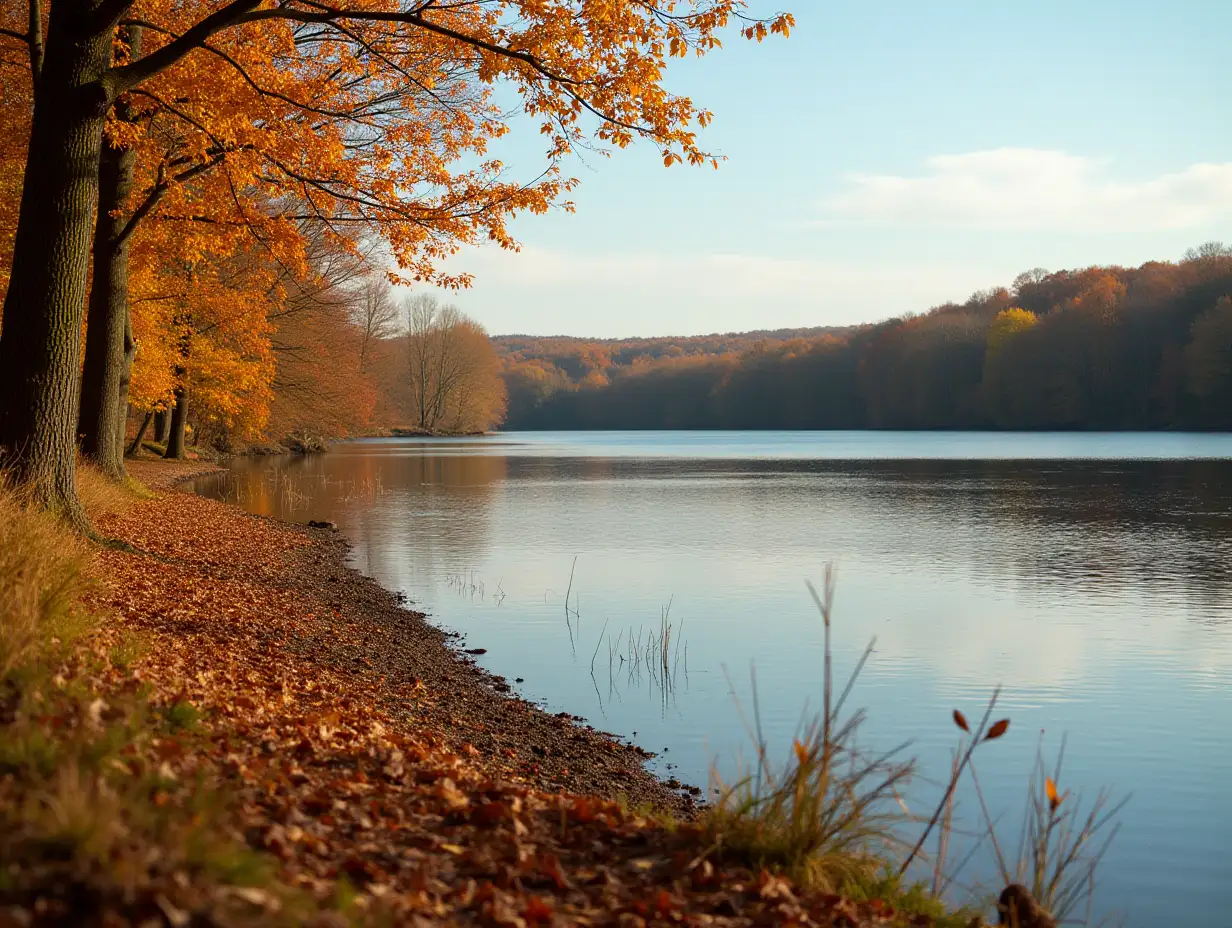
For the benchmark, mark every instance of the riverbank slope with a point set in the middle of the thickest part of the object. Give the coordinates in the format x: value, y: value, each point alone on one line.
x: 298, y: 710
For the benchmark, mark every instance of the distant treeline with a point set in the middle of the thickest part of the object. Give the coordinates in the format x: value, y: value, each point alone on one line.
x: 1097, y: 348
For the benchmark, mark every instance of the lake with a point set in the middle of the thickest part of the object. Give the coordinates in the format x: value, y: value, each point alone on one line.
x: 1088, y: 574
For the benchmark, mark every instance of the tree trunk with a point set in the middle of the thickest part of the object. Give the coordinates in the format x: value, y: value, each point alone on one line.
x: 102, y: 414
x: 136, y: 443
x: 162, y: 426
x: 40, y: 343
x: 126, y: 374
x: 179, y: 418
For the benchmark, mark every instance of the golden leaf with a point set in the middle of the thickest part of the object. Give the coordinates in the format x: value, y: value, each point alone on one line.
x: 1050, y: 790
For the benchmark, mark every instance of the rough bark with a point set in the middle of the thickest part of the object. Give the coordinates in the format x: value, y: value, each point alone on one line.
x: 162, y: 426
x: 126, y: 374
x: 101, y: 424
x: 36, y: 43
x: 179, y: 418
x: 40, y: 343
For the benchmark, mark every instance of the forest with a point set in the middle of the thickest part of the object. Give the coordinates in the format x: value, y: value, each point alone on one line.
x: 223, y: 224
x: 1097, y: 348
x: 203, y: 206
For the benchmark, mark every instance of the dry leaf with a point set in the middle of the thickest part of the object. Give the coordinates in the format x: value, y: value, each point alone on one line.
x: 1050, y: 789
x: 997, y: 730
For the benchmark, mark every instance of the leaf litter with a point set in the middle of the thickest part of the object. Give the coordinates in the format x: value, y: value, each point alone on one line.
x: 383, y: 773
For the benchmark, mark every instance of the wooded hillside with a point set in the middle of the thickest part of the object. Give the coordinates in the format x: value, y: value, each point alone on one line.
x: 1097, y: 348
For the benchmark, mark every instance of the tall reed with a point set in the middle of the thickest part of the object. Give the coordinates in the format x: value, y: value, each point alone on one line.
x: 829, y: 815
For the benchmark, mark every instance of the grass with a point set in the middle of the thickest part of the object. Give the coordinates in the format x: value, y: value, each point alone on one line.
x: 101, y: 496
x: 831, y: 815
x: 1061, y: 843
x: 90, y: 819
x: 41, y: 580
x: 828, y: 816
x: 911, y: 900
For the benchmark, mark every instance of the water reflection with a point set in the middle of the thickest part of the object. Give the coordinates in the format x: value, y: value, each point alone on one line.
x: 1096, y: 589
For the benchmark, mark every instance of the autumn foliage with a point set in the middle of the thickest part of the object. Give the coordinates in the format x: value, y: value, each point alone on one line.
x: 243, y: 151
x: 1097, y: 348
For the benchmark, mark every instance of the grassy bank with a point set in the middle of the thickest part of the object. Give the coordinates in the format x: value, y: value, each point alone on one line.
x: 106, y: 805
x: 217, y: 723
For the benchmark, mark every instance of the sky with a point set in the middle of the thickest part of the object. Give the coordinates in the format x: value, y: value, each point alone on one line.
x: 886, y: 158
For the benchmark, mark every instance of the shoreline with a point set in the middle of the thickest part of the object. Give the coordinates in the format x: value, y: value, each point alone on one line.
x: 549, y: 751
x: 337, y: 762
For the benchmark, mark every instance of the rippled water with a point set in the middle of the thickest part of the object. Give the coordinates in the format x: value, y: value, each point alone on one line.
x: 1088, y: 574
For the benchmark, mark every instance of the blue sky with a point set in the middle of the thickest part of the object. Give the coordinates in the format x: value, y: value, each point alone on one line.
x: 889, y: 156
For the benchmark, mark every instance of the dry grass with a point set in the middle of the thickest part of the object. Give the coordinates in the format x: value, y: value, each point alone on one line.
x: 829, y: 815
x: 41, y: 578
x: 101, y: 496
x: 1060, y: 843
x: 91, y: 818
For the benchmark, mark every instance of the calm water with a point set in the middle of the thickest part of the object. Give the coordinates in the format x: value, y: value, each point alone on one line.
x: 1089, y: 574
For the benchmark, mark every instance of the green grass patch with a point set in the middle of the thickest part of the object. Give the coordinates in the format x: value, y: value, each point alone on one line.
x: 181, y: 716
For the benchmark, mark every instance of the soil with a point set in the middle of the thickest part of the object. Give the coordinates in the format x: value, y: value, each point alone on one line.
x: 550, y: 752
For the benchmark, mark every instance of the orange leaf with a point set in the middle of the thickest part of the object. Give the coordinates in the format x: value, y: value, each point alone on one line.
x: 582, y: 810
x: 961, y: 721
x: 549, y: 865
x: 537, y: 910
x: 801, y: 752
x: 1050, y: 789
x: 664, y: 903
x: 998, y: 729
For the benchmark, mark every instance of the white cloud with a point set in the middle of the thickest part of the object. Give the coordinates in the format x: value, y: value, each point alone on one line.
x: 1033, y: 189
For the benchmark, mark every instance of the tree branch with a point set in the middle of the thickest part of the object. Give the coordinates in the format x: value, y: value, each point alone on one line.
x: 128, y: 76
x: 331, y: 15
x: 160, y: 188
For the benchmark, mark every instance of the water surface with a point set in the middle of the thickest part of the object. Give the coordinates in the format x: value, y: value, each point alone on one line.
x: 1088, y: 574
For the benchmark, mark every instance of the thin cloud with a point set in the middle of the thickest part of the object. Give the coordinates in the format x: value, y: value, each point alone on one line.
x: 606, y: 294
x: 1015, y: 189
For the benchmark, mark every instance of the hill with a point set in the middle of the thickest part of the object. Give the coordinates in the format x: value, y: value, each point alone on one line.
x: 1102, y: 347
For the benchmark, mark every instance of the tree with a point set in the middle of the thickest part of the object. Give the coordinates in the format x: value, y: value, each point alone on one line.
x: 1026, y: 279
x: 1105, y: 347
x: 453, y: 372
x: 602, y: 60
x: 376, y: 314
x: 1209, y: 358
x: 1206, y: 251
x: 317, y: 343
x: 16, y: 105
x: 1000, y: 391
x: 110, y: 345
